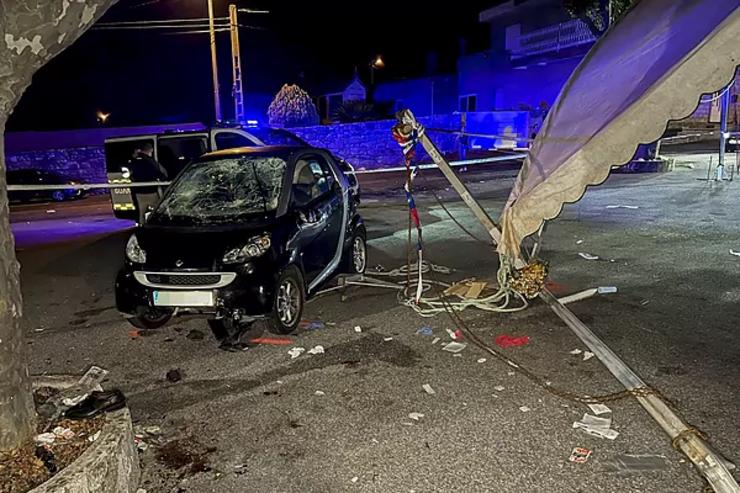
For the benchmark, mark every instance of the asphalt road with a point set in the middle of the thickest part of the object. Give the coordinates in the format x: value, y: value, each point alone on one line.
x: 252, y: 421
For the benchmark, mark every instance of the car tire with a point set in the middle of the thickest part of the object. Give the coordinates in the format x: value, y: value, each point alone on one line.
x: 150, y: 318
x: 355, y: 258
x: 290, y: 297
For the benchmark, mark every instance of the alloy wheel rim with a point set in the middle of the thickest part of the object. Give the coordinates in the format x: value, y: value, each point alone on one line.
x: 287, y: 302
x: 358, y: 254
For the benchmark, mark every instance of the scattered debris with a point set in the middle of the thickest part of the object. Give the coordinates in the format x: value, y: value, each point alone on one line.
x: 416, y: 416
x: 296, y: 351
x: 481, y: 360
x: 628, y: 463
x: 454, y: 347
x: 195, y: 335
x: 579, y: 242
x: 580, y: 455
x: 354, y: 479
x: 506, y: 341
x: 595, y: 426
x: 316, y: 350
x: 428, y: 389
x: 358, y: 329
x: 588, y: 256
x: 599, y: 409
x: 587, y: 355
x: 312, y: 325
x: 457, y: 355
x: 174, y: 375
x: 387, y: 339
x: 153, y: 430
x: 436, y: 340
x: 319, y: 392
x: 524, y: 409
x: 499, y: 388
x: 475, y: 290
x: 134, y: 333
x: 733, y: 252
x: 424, y: 331
x: 141, y: 445
x: 272, y: 341
x: 607, y: 289
x: 576, y: 351
x: 63, y: 433
x: 140, y: 490
x: 510, y: 373
x: 94, y: 437
x: 621, y: 206
x: 45, y: 438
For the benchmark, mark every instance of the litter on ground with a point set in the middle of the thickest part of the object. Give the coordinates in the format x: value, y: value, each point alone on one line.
x: 424, y: 331
x: 588, y: 256
x: 387, y: 339
x: 598, y: 409
x: 428, y: 389
x: 576, y: 351
x: 587, y: 355
x: 355, y: 479
x: 295, y: 352
x: 505, y: 341
x: 595, y: 426
x: 454, y: 347
x: 436, y: 340
x: 627, y: 463
x: 316, y: 350
x: 733, y: 252
x: 272, y: 341
x: 481, y: 360
x: 499, y: 388
x: 319, y: 392
x: 358, y: 329
x: 524, y: 409
x: 580, y: 455
x: 607, y: 289
x: 621, y: 206
x: 416, y: 416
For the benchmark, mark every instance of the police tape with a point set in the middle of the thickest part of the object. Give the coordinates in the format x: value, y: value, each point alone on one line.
x: 120, y: 184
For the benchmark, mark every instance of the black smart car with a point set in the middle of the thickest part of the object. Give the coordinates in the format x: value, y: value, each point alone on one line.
x: 242, y: 235
x: 41, y: 177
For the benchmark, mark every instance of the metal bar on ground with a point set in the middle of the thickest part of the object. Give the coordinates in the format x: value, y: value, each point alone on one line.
x: 685, y: 438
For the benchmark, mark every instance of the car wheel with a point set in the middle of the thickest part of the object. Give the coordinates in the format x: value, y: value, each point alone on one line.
x: 150, y: 318
x: 57, y: 195
x: 290, y: 297
x: 355, y: 259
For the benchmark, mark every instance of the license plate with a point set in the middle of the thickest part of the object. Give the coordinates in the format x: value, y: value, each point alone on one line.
x: 182, y: 298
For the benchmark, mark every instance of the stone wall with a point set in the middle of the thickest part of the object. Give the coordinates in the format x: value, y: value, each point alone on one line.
x: 79, y: 163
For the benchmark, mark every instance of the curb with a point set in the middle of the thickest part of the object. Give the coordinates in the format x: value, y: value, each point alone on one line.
x: 109, y: 465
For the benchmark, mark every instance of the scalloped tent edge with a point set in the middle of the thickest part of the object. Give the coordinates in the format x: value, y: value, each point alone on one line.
x: 645, y: 71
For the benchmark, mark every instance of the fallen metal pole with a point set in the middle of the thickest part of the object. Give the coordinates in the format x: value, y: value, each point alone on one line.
x: 707, y: 461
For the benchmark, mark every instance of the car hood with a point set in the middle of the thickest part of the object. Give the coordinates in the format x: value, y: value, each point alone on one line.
x: 187, y: 247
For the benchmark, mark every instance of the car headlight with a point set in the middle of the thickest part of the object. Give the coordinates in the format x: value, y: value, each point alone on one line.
x: 255, y: 247
x: 134, y: 252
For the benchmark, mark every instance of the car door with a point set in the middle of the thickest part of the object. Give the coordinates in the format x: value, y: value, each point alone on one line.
x: 317, y: 200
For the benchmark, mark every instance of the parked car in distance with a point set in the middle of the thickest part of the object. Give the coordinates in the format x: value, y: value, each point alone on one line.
x: 243, y: 235
x: 41, y: 177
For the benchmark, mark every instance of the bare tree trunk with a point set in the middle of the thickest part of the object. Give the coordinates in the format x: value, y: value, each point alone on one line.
x: 32, y: 32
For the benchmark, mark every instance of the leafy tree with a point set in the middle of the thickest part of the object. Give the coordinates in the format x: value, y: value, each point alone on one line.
x: 598, y: 14
x: 292, y: 107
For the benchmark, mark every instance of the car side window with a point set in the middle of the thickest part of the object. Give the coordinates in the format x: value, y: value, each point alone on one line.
x: 231, y: 140
x: 310, y: 181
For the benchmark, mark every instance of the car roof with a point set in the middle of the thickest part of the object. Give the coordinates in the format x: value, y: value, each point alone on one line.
x: 257, y: 151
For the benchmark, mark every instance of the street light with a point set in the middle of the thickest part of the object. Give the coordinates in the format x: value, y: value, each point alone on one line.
x: 376, y: 64
x: 102, y: 117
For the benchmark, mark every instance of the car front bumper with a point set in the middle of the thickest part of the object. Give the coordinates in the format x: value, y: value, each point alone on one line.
x: 245, y: 295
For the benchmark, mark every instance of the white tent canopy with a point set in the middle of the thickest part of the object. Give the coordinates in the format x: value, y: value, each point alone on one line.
x: 649, y: 68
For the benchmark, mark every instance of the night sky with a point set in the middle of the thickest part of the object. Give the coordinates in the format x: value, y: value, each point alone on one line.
x: 144, y: 77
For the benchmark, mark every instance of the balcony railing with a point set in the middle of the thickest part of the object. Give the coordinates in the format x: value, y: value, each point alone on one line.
x: 552, y: 39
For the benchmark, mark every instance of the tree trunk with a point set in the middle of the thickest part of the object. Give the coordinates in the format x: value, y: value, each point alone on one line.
x: 32, y: 32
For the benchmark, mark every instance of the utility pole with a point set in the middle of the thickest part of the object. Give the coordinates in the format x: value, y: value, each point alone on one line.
x: 214, y: 62
x: 236, y: 66
x: 724, y: 110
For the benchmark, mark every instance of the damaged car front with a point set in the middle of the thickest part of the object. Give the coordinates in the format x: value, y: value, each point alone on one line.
x: 229, y: 240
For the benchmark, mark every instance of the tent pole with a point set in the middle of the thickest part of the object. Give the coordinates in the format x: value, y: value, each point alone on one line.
x: 710, y: 464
